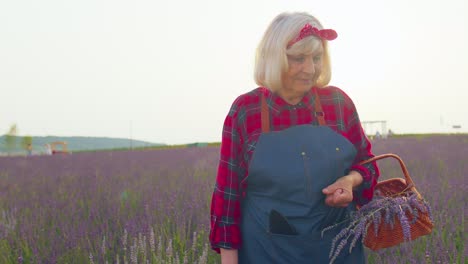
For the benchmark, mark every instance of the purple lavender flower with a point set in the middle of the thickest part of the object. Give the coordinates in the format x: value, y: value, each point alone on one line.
x: 376, y: 221
x: 339, y: 236
x: 339, y: 248
x: 404, y: 224
x: 359, y: 231
x: 391, y: 208
x: 119, y: 194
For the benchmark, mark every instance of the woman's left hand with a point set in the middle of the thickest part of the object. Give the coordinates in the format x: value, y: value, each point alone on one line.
x: 340, y: 193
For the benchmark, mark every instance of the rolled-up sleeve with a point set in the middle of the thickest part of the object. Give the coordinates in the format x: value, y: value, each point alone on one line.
x: 225, y: 202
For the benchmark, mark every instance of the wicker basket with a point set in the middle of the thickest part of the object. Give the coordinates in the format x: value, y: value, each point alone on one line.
x: 388, y: 236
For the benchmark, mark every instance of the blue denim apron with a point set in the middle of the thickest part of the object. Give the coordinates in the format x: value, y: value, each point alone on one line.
x: 287, y: 173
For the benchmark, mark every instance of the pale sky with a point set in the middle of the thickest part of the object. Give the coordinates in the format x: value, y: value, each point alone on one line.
x: 168, y: 71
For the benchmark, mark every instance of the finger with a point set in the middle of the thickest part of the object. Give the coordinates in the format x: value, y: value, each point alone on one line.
x: 333, y: 200
x: 333, y: 203
x: 334, y: 197
x: 328, y: 190
x: 343, y: 199
x: 331, y: 189
x: 330, y: 200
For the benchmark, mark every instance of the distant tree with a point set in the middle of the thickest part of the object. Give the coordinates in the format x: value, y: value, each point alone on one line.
x: 10, y: 138
x: 26, y: 143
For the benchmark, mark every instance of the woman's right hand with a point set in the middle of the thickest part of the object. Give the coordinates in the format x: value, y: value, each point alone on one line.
x: 229, y: 256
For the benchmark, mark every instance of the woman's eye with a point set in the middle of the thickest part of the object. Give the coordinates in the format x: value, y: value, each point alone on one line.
x: 317, y: 58
x: 299, y: 59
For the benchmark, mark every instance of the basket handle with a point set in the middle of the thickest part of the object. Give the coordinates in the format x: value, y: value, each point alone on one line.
x: 408, y: 179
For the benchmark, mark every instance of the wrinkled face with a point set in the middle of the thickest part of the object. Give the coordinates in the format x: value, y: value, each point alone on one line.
x: 303, y: 72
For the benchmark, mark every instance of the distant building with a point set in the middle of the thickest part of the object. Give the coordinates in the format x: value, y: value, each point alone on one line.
x: 375, y: 128
x: 48, y: 149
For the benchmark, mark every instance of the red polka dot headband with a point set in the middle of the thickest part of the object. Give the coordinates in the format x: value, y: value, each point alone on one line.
x: 308, y: 30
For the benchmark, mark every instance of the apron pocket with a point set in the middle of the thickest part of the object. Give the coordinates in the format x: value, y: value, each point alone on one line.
x: 261, y: 245
x: 280, y: 225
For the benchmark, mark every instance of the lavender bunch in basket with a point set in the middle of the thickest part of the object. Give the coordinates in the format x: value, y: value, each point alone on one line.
x: 381, y: 208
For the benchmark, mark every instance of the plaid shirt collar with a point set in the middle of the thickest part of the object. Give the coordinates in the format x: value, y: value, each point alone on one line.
x: 278, y: 104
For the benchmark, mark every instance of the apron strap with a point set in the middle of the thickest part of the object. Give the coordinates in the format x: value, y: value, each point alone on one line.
x: 265, y: 114
x: 319, y: 114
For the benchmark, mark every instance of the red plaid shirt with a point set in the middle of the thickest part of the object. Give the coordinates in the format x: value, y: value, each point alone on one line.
x: 242, y: 128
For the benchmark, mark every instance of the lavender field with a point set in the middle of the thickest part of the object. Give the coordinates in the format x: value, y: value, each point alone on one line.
x: 152, y: 206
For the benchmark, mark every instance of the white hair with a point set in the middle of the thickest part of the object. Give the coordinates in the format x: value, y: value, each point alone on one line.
x: 271, y: 58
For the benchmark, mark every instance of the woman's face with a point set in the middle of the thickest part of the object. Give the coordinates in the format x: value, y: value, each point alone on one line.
x: 304, y: 70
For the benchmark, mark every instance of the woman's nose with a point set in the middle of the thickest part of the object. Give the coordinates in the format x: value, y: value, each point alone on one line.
x: 309, y: 66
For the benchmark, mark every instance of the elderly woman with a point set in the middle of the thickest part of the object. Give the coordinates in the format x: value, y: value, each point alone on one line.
x: 290, y: 154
